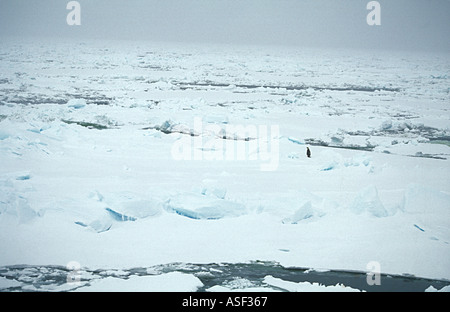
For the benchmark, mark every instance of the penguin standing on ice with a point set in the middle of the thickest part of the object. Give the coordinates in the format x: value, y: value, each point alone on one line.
x: 308, y: 152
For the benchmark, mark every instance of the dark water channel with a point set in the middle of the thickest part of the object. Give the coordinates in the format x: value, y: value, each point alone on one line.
x: 55, y: 278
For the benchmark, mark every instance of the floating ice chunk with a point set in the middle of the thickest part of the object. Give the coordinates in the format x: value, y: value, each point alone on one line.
x: 218, y: 288
x: 305, y: 286
x: 196, y: 206
x: 7, y: 283
x: 76, y: 103
x: 443, y: 289
x: 169, y: 282
x: 368, y: 201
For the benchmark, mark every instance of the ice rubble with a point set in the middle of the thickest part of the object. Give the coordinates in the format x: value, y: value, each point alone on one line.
x: 108, y: 209
x: 204, y: 203
x: 390, y: 136
x: 7, y: 283
x: 211, y: 203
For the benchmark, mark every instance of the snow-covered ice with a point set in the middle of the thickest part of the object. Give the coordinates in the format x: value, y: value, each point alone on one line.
x: 305, y: 286
x: 88, y: 172
x: 169, y: 282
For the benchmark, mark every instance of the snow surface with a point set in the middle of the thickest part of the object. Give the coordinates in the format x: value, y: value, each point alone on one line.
x: 88, y: 173
x: 305, y: 286
x: 169, y: 282
x: 443, y: 289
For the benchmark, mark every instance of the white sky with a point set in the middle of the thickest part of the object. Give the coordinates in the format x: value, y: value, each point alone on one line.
x: 405, y: 24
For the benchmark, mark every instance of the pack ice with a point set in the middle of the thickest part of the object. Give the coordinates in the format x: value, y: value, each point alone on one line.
x: 87, y: 173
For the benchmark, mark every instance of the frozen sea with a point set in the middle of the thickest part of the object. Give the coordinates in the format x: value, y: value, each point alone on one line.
x: 181, y: 167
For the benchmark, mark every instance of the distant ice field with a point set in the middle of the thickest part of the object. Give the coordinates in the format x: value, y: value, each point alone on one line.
x: 120, y: 155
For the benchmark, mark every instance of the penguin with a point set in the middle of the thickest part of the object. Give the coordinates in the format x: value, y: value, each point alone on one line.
x: 308, y: 152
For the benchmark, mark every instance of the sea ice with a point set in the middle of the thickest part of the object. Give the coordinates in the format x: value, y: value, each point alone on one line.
x: 76, y: 103
x: 305, y: 286
x: 7, y: 283
x: 421, y: 199
x: 367, y: 200
x: 4, y: 134
x: 202, y: 206
x: 338, y: 202
x: 16, y: 205
x: 98, y: 225
x: 331, y: 160
x: 304, y: 212
x: 133, y: 206
x: 443, y: 289
x: 169, y: 282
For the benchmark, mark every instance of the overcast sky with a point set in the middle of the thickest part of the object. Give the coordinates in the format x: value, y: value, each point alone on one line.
x: 405, y: 24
